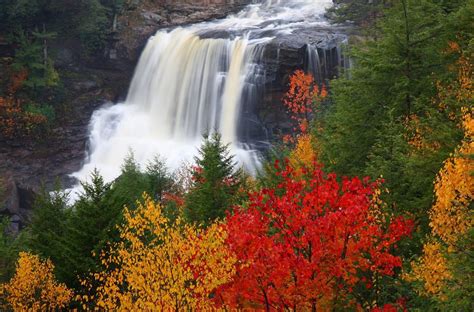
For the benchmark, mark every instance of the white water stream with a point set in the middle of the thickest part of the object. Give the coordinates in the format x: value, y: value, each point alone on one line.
x: 190, y: 81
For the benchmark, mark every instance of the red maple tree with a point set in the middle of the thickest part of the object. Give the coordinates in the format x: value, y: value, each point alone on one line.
x: 302, y: 98
x: 307, y: 243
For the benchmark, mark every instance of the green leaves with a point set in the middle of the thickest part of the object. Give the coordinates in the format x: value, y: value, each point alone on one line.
x: 215, y: 182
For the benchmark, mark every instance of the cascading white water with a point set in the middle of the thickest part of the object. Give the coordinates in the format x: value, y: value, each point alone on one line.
x: 189, y: 82
x: 184, y: 82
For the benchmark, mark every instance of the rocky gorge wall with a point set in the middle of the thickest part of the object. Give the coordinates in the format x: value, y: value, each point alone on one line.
x: 142, y: 19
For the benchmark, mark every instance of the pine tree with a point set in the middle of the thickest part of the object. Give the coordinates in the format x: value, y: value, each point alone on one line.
x: 98, y: 211
x: 158, y: 177
x: 133, y: 181
x: 215, y: 182
x: 90, y: 227
x: 48, y: 229
x: 10, y: 246
x: 383, y: 121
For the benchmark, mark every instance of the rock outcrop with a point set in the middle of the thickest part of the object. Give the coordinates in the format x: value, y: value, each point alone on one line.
x: 138, y: 22
x: 266, y: 119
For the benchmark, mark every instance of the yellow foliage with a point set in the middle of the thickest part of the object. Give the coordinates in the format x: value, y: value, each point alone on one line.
x: 451, y: 215
x: 303, y: 155
x: 416, y: 135
x: 162, y: 266
x: 454, y: 188
x: 33, y: 288
x: 431, y: 269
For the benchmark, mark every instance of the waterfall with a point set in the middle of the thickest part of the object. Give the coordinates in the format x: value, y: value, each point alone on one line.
x: 183, y: 81
x: 320, y: 61
x: 191, y: 81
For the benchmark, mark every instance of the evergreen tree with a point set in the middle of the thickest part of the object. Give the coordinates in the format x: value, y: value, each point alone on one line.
x: 268, y: 176
x: 215, y: 182
x: 159, y: 178
x: 155, y: 180
x: 91, y: 225
x: 10, y: 246
x: 99, y: 210
x: 460, y: 289
x: 379, y: 113
x: 48, y: 229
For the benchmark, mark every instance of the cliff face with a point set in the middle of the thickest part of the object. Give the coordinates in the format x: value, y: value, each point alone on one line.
x: 143, y: 18
x: 266, y: 120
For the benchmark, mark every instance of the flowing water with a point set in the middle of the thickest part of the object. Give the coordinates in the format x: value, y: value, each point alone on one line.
x: 190, y: 81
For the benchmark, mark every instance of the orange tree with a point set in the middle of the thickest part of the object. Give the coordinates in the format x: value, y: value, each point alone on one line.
x: 33, y: 288
x: 15, y: 121
x: 302, y: 98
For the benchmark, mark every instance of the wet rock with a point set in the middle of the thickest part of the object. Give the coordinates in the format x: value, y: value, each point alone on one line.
x: 152, y: 18
x: 145, y: 18
x: 9, y: 197
x: 64, y: 57
x: 281, y: 58
x: 84, y: 86
x: 15, y: 225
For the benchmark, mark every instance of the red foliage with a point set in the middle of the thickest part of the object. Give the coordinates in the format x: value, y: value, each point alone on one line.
x: 17, y: 80
x: 308, y: 243
x: 400, y: 306
x: 386, y: 308
x: 14, y: 120
x: 170, y: 197
x: 302, y: 98
x: 197, y: 174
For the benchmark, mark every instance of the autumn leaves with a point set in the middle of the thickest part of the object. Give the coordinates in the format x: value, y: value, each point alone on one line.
x: 161, y: 265
x: 309, y: 244
x: 309, y: 241
x: 33, y: 288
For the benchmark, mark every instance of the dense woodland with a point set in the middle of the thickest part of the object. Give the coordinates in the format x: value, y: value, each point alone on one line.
x: 366, y: 206
x: 33, y: 96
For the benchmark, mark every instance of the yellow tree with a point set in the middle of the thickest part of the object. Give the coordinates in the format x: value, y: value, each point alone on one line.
x: 303, y: 154
x: 159, y: 265
x: 33, y: 288
x: 451, y: 216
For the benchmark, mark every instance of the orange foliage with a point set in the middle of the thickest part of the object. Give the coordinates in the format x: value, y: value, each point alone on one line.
x: 451, y: 215
x: 416, y: 134
x: 33, y: 287
x: 302, y: 98
x: 17, y: 81
x: 460, y: 92
x: 14, y: 120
